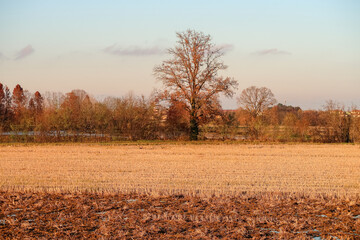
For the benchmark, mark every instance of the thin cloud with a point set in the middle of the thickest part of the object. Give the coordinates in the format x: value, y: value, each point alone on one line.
x: 132, y: 51
x: 271, y: 51
x: 26, y: 51
x: 225, y: 47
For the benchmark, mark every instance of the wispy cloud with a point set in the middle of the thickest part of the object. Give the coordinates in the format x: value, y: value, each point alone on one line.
x: 271, y: 51
x: 132, y: 51
x: 26, y: 51
x: 225, y: 47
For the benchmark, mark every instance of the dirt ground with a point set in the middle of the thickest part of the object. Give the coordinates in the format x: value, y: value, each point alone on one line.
x: 133, y: 216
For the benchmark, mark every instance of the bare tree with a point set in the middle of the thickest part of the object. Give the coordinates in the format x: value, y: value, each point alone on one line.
x: 338, y: 122
x: 2, y: 101
x: 255, y: 100
x: 192, y: 74
x: 332, y: 105
x: 39, y: 102
x: 18, y: 101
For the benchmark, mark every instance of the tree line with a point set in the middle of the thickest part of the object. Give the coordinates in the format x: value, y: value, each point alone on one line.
x: 76, y: 116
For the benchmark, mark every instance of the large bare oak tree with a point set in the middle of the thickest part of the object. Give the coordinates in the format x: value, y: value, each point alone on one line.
x: 192, y: 74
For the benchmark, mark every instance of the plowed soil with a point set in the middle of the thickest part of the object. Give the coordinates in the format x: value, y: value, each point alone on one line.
x: 132, y: 216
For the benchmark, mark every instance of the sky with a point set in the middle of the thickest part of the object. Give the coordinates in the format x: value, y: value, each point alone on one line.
x: 306, y: 52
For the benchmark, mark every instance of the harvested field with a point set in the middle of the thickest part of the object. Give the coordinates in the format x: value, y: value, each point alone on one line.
x: 177, y: 169
x: 133, y: 216
x: 180, y: 191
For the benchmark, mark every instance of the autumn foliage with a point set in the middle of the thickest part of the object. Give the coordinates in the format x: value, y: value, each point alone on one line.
x: 76, y: 116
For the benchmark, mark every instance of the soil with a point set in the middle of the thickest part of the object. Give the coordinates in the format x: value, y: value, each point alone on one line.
x: 42, y: 215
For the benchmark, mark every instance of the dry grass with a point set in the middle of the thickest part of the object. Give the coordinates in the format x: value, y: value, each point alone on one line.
x: 168, y: 169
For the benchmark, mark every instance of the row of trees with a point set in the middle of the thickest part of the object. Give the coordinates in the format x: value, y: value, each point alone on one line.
x: 288, y: 123
x: 19, y: 108
x: 76, y: 116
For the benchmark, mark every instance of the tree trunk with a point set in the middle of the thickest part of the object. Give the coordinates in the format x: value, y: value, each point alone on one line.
x: 194, y: 124
x: 194, y: 129
x: 346, y: 129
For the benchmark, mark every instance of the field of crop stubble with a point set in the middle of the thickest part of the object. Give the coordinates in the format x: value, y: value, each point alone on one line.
x: 169, y: 190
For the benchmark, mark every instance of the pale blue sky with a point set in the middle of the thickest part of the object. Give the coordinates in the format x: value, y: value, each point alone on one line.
x: 306, y: 52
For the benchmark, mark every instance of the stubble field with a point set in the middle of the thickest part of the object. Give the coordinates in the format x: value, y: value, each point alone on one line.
x: 175, y: 191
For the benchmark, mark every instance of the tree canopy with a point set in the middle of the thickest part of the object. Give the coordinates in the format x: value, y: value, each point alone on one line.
x: 255, y: 100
